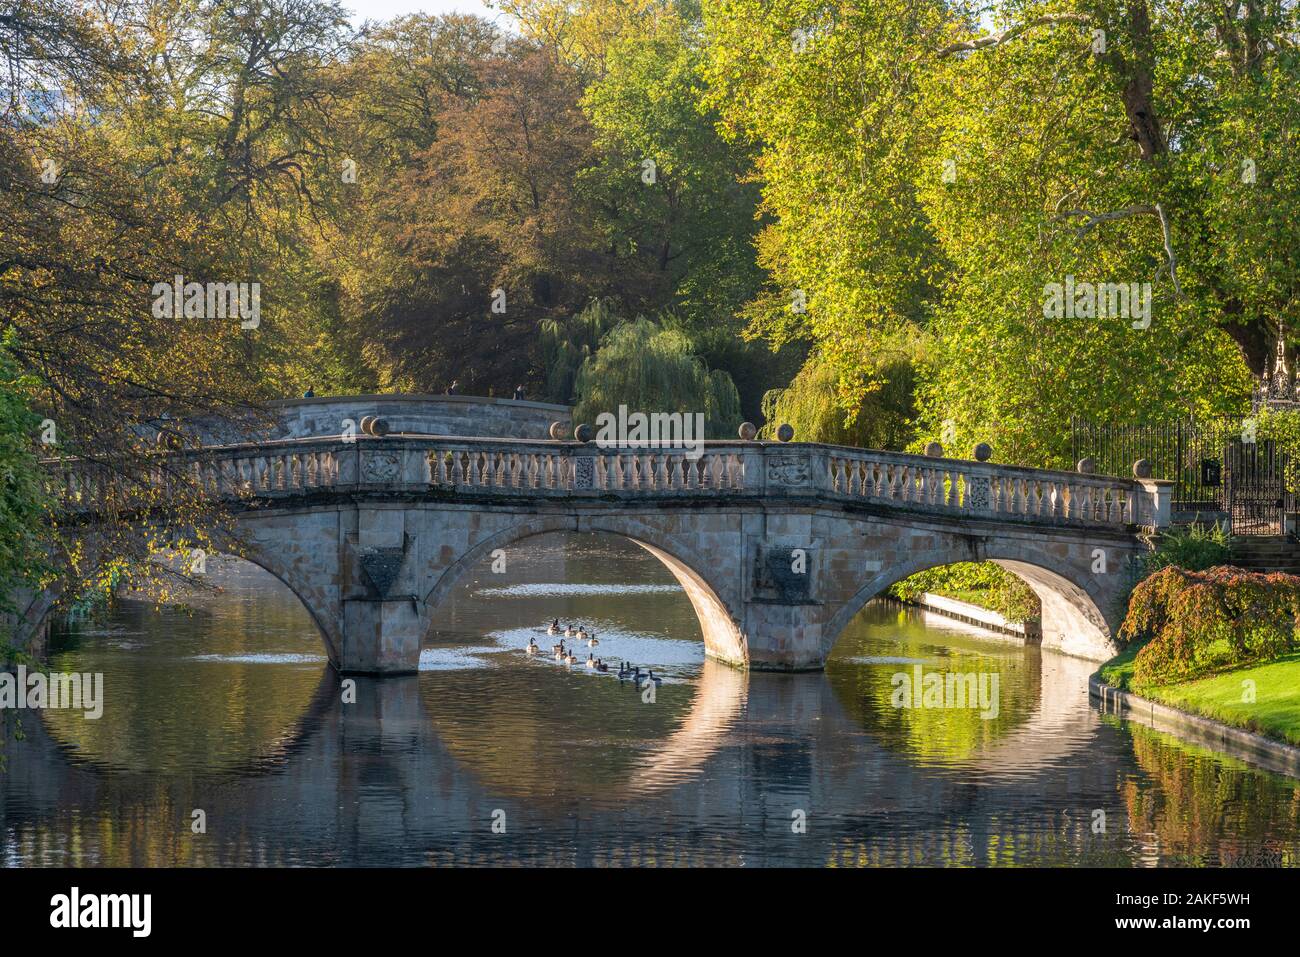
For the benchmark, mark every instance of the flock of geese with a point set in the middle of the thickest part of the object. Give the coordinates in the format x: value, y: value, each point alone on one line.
x: 566, y: 655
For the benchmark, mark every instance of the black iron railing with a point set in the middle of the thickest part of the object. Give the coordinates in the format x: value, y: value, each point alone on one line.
x: 1215, y: 465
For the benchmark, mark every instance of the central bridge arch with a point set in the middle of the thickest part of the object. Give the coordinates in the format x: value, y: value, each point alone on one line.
x: 723, y: 640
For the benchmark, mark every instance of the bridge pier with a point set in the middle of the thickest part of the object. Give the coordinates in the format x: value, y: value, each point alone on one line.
x: 784, y: 637
x: 381, y: 636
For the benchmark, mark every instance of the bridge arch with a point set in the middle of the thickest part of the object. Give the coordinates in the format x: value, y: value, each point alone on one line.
x: 1075, y: 621
x: 267, y: 560
x: 722, y: 637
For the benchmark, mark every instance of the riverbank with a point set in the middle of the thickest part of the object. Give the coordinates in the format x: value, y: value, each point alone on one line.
x: 973, y: 614
x: 1267, y: 752
x: 1263, y: 699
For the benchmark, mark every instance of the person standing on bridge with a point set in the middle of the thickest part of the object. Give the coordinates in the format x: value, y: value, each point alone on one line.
x: 451, y: 389
x: 519, y: 393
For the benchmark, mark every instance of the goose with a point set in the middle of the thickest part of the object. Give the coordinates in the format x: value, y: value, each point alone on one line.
x: 532, y: 647
x: 554, y: 628
x: 560, y: 652
x: 601, y: 666
x: 568, y: 631
x: 622, y: 670
x: 557, y: 648
x: 648, y: 679
x: 591, y: 662
x: 571, y: 659
x: 582, y: 633
x: 592, y: 640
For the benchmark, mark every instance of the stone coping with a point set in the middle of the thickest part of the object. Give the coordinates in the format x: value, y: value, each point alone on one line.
x: 721, y: 445
x: 1236, y: 742
x: 418, y: 397
x: 972, y: 614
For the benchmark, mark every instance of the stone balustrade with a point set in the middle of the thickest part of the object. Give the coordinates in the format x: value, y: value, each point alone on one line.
x: 489, y: 466
x: 994, y: 490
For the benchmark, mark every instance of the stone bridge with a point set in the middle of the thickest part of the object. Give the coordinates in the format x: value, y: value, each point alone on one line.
x: 778, y: 545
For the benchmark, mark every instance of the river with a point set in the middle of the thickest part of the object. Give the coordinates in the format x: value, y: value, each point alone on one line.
x: 226, y: 739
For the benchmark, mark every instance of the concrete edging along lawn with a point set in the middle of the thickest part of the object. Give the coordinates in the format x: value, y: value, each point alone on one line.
x: 1237, y: 742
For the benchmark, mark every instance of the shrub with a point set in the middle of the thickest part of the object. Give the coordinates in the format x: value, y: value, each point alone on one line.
x: 1199, y: 622
x: 1194, y: 547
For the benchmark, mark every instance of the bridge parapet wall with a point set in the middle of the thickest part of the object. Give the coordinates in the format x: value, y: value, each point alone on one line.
x: 425, y: 414
x: 323, y: 416
x: 474, y: 467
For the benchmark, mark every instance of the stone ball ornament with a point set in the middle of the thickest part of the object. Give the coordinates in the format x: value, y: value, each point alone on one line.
x: 583, y: 433
x: 934, y: 450
x: 1086, y: 466
x: 559, y: 431
x: 786, y: 432
x: 1142, y: 469
x: 379, y: 427
x: 172, y: 441
x: 983, y: 452
x: 747, y: 431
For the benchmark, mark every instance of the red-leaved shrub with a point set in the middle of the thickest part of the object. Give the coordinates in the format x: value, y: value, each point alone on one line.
x: 1202, y: 622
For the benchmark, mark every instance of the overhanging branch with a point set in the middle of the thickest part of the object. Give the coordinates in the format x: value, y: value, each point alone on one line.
x: 994, y: 39
x: 1091, y: 220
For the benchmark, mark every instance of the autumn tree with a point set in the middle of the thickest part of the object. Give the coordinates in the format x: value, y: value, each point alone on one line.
x: 488, y: 234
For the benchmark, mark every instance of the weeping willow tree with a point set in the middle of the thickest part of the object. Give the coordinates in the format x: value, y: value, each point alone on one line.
x: 813, y: 404
x: 567, y: 343
x: 649, y: 368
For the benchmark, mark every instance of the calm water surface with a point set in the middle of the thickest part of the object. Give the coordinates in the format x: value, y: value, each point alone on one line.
x: 230, y: 708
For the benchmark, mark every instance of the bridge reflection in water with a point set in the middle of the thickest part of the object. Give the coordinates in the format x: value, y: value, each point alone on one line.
x: 228, y: 712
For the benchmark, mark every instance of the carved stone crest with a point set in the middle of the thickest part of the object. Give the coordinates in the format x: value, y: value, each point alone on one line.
x: 584, y: 472
x: 787, y: 470
x: 381, y: 566
x: 978, y: 494
x: 380, y: 467
x: 782, y: 576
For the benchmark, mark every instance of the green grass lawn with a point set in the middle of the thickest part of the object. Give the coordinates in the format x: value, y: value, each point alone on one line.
x: 1118, y: 672
x: 1275, y: 712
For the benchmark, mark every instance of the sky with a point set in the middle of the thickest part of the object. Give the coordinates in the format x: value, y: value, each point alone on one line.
x: 387, y: 9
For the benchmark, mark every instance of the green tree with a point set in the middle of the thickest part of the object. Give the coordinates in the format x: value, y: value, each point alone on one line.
x: 24, y: 555
x: 936, y: 166
x: 811, y: 404
x: 672, y: 185
x: 649, y: 368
